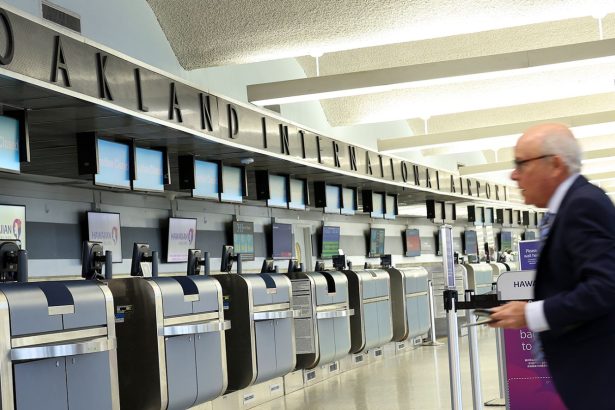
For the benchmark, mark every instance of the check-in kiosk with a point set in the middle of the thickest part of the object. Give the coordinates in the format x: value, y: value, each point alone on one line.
x: 171, y: 345
x: 497, y: 269
x: 260, y: 345
x: 409, y: 302
x: 322, y: 327
x: 58, y: 346
x: 479, y: 277
x: 369, y: 294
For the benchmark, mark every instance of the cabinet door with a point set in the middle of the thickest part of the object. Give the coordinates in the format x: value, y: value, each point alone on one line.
x: 326, y: 340
x: 412, y: 312
x: 265, y: 350
x: 210, y: 359
x: 181, y: 372
x: 370, y: 325
x: 284, y: 342
x: 89, y: 381
x: 41, y: 384
x: 385, y: 328
x: 341, y: 326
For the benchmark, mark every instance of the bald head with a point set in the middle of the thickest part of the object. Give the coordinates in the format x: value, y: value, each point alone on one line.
x: 545, y: 155
x: 554, y: 139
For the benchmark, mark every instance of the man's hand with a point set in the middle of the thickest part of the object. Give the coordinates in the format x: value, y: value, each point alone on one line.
x: 510, y: 316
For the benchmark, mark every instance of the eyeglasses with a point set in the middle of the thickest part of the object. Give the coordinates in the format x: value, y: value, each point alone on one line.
x: 519, y: 163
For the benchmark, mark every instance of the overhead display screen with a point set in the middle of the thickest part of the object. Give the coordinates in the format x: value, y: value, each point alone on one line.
x: 206, y: 180
x: 332, y: 193
x: 277, y: 191
x: 471, y: 243
x: 349, y: 199
x: 505, y: 241
x: 243, y: 240
x: 182, y: 236
x: 330, y: 241
x: 148, y: 170
x: 232, y: 183
x: 378, y: 205
x: 282, y: 241
x: 9, y: 144
x: 105, y: 227
x: 376, y: 242
x: 113, y: 164
x: 390, y: 207
x: 13, y: 223
x: 297, y: 194
x: 413, y: 242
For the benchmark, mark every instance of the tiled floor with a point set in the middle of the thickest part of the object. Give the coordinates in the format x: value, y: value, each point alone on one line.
x: 418, y: 379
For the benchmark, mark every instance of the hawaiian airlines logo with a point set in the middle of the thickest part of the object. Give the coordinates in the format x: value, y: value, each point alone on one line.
x: 17, y: 228
x: 183, y: 236
x: 114, y: 234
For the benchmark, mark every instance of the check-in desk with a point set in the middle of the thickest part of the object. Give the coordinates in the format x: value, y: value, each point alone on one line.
x: 409, y: 302
x: 369, y: 293
x: 260, y: 344
x: 171, y: 346
x: 58, y: 346
x: 497, y: 269
x: 322, y: 327
x: 479, y: 277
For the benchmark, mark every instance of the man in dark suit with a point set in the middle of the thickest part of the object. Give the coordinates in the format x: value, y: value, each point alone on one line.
x: 574, y: 312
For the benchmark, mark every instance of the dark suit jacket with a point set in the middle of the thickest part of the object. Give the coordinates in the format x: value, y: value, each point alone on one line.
x: 576, y: 280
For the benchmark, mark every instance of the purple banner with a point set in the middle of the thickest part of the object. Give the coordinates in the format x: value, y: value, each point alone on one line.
x: 528, y: 254
x: 529, y: 382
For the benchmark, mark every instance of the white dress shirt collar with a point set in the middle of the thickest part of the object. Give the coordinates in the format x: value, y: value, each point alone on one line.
x: 560, y: 193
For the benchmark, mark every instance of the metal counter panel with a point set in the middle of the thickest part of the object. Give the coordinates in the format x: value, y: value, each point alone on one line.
x: 90, y: 307
x: 181, y: 372
x: 341, y: 327
x: 264, y: 334
x: 284, y: 346
x: 326, y: 339
x: 29, y: 311
x: 41, y: 384
x: 88, y: 380
x: 209, y: 367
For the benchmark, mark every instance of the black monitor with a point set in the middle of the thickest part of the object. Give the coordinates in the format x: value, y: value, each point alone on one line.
x: 413, y: 242
x: 92, y: 260
x: 339, y: 262
x: 226, y: 262
x: 470, y: 243
x: 282, y: 241
x: 386, y: 261
x: 320, y: 266
x: 141, y: 253
x: 294, y: 266
x: 196, y: 259
x: 268, y: 266
x: 330, y: 243
x: 376, y: 242
x: 13, y: 262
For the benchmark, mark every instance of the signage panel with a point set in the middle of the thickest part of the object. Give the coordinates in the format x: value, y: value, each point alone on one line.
x: 13, y: 223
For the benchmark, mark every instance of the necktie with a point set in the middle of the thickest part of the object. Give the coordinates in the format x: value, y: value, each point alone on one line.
x: 544, y: 227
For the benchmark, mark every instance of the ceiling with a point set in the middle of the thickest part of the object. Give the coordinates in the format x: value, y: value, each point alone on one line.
x: 465, y: 76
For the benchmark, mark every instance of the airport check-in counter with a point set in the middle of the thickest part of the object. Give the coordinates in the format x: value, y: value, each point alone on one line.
x: 58, y: 346
x: 322, y: 329
x: 409, y: 302
x: 497, y: 269
x: 438, y: 285
x: 171, y: 345
x: 479, y: 277
x: 260, y: 344
x: 371, y: 325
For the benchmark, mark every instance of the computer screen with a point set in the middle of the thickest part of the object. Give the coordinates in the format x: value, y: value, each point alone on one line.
x: 182, y: 236
x: 9, y: 144
x: 413, y: 242
x: 113, y: 164
x: 277, y: 191
x: 349, y: 196
x: 297, y: 194
x: 206, y: 180
x: 282, y: 240
x: 505, y: 241
x: 243, y: 240
x: 330, y: 241
x: 376, y: 242
x: 390, y: 206
x: 470, y: 243
x: 232, y: 185
x: 332, y: 194
x: 149, y: 170
x: 378, y: 205
x: 105, y: 227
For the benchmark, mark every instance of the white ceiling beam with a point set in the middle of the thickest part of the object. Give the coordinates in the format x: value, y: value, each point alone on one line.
x: 372, y: 81
x: 508, y: 165
x: 512, y: 131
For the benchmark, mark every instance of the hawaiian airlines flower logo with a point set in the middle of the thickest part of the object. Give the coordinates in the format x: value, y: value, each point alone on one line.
x: 17, y: 228
x: 114, y: 234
